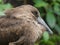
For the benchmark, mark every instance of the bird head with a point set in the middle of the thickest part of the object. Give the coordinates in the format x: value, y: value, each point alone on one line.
x: 28, y: 10
x: 36, y: 13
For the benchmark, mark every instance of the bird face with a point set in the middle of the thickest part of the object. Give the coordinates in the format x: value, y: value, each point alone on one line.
x: 36, y: 13
x: 30, y: 11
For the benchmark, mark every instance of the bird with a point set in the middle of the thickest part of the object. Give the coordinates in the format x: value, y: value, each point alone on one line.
x: 22, y: 25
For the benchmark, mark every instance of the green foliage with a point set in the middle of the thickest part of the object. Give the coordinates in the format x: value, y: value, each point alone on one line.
x: 51, y: 20
x: 45, y: 36
x: 57, y: 8
x: 50, y: 10
x: 4, y: 7
x: 41, y: 4
x: 54, y: 40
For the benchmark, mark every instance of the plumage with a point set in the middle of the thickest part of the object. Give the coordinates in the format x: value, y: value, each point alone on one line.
x: 20, y: 26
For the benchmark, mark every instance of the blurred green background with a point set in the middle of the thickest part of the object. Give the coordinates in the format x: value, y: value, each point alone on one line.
x: 50, y: 12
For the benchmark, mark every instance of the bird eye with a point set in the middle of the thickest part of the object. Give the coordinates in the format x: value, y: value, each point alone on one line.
x: 35, y: 13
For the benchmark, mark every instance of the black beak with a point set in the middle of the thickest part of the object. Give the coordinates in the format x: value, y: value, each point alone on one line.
x: 41, y: 21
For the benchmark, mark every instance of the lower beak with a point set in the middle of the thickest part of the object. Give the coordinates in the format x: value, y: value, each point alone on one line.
x: 41, y: 21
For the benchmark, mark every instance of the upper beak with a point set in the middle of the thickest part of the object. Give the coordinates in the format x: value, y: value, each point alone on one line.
x: 41, y: 21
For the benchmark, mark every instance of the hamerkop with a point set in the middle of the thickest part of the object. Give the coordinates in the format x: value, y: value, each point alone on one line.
x: 22, y: 26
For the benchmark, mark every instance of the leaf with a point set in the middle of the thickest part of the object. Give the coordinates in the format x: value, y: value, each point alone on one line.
x: 57, y: 8
x: 58, y: 20
x: 41, y: 4
x: 58, y: 0
x: 45, y: 36
x: 1, y: 7
x: 50, y: 18
x: 0, y: 0
x: 7, y: 6
x: 1, y: 13
x: 57, y: 27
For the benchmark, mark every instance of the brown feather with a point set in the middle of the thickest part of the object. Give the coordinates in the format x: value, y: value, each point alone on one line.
x: 20, y: 22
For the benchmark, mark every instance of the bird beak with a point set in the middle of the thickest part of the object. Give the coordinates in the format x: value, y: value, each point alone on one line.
x: 41, y: 21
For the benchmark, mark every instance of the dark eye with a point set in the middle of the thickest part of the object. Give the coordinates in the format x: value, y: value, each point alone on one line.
x: 35, y: 13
